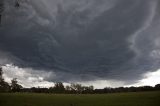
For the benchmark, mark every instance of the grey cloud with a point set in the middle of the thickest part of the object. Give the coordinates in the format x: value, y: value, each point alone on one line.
x: 84, y: 40
x: 27, y: 76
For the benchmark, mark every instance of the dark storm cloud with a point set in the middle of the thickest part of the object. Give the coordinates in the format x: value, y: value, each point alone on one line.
x: 84, y: 39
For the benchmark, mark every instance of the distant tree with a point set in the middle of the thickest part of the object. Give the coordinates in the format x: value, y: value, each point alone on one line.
x: 1, y: 72
x: 37, y: 90
x: 4, y: 86
x: 88, y: 89
x: 68, y: 88
x: 157, y: 86
x: 1, y: 80
x: 15, y: 87
x: 78, y: 88
x: 58, y: 87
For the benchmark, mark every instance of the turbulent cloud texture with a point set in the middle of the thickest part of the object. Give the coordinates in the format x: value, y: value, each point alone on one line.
x: 27, y: 77
x: 83, y: 40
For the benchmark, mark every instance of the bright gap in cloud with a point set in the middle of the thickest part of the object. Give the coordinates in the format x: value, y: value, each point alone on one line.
x: 28, y: 77
x: 100, y: 84
x: 150, y: 79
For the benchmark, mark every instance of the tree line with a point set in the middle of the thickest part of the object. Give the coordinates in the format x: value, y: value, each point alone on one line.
x: 79, y: 89
x: 6, y: 87
x: 59, y: 88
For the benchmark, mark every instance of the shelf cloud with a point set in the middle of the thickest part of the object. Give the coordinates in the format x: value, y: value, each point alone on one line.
x: 82, y: 40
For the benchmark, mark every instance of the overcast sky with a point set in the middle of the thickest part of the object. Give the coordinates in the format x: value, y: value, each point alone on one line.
x: 98, y: 42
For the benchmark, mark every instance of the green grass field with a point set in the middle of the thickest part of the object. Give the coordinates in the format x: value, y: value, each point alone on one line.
x: 117, y: 99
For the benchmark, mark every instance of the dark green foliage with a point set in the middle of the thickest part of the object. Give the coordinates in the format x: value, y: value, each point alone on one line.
x: 58, y: 88
x: 157, y: 86
x: 4, y: 86
x: 15, y: 87
x: 79, y: 89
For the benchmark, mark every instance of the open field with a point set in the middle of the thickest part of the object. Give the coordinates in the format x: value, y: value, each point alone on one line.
x: 117, y: 99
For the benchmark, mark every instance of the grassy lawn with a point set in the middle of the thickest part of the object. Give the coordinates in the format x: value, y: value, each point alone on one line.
x: 117, y: 99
